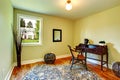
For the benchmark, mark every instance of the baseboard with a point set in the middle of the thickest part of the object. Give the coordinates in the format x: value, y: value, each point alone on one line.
x: 29, y: 62
x: 98, y: 62
x: 40, y: 59
x: 9, y: 72
x: 63, y: 56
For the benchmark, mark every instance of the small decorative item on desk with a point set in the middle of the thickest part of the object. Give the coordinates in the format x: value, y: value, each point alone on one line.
x: 49, y: 58
x: 102, y: 43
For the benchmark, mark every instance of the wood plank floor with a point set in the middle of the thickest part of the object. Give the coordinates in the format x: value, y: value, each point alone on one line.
x: 107, y: 74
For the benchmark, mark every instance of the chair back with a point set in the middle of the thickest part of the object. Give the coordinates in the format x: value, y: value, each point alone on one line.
x: 71, y: 51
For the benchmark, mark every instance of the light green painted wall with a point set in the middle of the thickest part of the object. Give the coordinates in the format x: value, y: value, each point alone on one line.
x: 101, y: 26
x: 6, y: 39
x: 49, y: 23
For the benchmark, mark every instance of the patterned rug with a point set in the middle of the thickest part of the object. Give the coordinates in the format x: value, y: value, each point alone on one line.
x: 60, y: 72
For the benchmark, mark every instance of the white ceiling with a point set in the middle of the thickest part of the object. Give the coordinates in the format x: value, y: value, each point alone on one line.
x: 80, y: 9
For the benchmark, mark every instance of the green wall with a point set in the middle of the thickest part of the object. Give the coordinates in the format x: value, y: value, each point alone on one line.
x: 6, y: 39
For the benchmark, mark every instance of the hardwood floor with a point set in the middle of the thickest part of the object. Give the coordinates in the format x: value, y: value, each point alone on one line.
x: 107, y: 74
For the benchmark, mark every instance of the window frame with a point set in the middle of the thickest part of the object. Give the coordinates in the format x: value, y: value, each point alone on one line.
x: 40, y: 31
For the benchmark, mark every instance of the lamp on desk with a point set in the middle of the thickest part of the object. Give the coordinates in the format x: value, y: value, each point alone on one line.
x: 86, y: 41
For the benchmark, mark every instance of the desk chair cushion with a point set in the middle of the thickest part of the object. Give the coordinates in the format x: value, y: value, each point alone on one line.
x: 79, y: 56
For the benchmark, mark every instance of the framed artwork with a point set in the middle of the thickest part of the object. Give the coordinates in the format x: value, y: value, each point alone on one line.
x: 57, y: 35
x: 29, y: 29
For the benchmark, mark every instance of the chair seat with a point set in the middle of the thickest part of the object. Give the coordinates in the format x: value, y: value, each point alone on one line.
x: 81, y: 57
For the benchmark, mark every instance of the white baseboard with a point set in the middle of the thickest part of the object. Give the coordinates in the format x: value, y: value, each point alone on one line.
x: 40, y: 59
x: 98, y: 62
x: 63, y: 56
x: 29, y: 62
x: 9, y: 72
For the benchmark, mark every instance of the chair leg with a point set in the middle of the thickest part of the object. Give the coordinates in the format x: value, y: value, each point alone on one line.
x: 70, y: 60
x: 72, y: 64
x: 86, y: 65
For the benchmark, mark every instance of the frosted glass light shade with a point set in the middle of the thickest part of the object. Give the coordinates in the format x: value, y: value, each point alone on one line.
x: 68, y: 6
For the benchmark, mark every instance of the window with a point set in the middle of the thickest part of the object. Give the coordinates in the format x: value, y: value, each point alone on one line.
x: 30, y: 29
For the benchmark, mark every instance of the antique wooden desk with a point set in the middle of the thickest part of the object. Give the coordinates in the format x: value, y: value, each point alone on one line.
x: 95, y: 49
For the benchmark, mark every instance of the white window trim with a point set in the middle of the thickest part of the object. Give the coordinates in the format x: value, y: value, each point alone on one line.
x: 40, y: 28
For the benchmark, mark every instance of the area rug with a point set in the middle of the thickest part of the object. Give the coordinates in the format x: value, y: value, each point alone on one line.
x: 59, y: 72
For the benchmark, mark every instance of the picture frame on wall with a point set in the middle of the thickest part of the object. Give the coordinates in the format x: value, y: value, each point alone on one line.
x: 57, y: 35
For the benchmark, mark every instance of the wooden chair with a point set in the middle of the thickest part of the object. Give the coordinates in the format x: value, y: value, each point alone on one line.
x: 77, y: 57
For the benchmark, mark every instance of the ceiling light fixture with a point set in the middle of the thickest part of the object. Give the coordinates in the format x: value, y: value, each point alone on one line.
x: 68, y: 5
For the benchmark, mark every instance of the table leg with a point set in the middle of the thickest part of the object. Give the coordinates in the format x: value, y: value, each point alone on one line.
x: 107, y: 60
x: 101, y: 62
